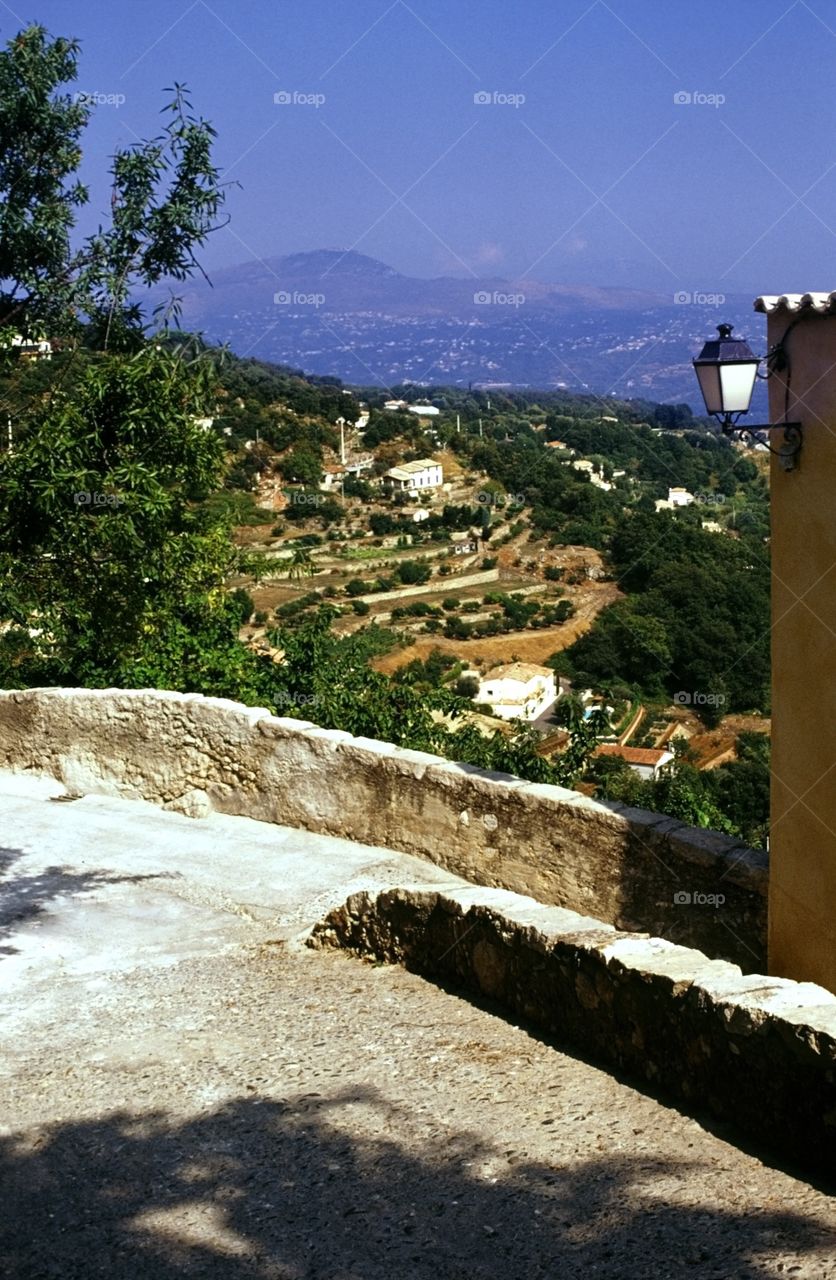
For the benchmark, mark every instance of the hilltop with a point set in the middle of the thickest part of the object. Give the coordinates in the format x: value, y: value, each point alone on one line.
x: 342, y: 313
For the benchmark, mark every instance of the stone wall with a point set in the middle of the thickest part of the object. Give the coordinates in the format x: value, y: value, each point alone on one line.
x: 757, y: 1052
x: 633, y: 869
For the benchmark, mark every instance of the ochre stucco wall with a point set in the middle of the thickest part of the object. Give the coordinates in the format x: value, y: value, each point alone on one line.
x: 802, y: 877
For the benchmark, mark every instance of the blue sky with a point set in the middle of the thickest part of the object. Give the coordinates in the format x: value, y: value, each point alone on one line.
x: 581, y: 165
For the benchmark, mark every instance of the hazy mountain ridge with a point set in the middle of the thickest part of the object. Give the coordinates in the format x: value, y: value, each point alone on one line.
x: 345, y: 314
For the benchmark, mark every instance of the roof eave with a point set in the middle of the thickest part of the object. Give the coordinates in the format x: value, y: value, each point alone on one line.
x: 795, y: 303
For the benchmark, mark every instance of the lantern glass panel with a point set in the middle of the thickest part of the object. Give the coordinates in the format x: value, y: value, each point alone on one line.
x: 737, y: 380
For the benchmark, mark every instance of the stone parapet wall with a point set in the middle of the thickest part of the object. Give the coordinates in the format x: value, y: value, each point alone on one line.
x: 757, y: 1052
x: 631, y: 868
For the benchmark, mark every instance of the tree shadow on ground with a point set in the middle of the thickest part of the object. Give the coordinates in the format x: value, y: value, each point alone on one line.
x: 24, y: 897
x: 321, y: 1187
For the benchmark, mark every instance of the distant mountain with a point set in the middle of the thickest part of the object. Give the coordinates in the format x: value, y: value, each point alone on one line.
x: 342, y: 313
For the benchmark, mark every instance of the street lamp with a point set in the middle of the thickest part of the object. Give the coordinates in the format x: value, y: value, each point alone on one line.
x: 726, y: 370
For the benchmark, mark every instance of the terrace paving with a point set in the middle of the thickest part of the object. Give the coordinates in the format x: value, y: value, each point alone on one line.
x: 187, y: 1090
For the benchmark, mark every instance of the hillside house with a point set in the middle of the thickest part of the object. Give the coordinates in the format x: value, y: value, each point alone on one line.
x: 677, y: 497
x: 332, y: 477
x: 412, y: 477
x: 645, y: 761
x: 424, y: 410
x: 518, y: 690
x: 32, y: 348
x: 359, y: 465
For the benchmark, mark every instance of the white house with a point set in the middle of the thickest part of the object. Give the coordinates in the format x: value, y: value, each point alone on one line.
x: 680, y: 497
x: 359, y: 465
x: 392, y: 405
x: 32, y: 348
x: 424, y: 410
x: 332, y: 477
x: 645, y: 761
x: 590, y: 469
x: 518, y: 690
x: 411, y: 477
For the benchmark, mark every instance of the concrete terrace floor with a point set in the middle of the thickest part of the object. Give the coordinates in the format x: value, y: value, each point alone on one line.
x: 186, y: 1090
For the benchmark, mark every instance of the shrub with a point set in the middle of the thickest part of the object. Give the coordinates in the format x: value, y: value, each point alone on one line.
x: 413, y: 572
x: 244, y: 605
x: 360, y: 607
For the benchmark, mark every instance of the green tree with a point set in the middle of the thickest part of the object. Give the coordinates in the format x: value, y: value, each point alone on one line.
x: 40, y: 152
x: 303, y: 465
x: 413, y: 572
x: 112, y: 564
x: 165, y: 200
x: 300, y: 565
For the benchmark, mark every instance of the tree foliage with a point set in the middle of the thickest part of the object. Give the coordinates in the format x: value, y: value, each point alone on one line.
x: 106, y: 544
x: 166, y: 198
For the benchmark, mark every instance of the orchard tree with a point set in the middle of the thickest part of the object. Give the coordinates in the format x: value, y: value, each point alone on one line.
x: 300, y: 565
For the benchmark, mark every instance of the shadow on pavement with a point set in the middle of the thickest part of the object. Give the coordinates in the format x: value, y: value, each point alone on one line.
x: 23, y: 897
x: 263, y: 1190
